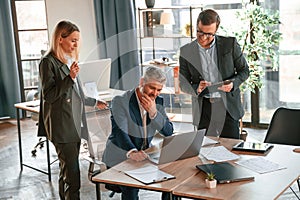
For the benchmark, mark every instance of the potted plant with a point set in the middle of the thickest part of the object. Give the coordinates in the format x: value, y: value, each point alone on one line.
x: 259, y: 41
x: 259, y: 37
x: 188, y: 29
x: 210, y: 180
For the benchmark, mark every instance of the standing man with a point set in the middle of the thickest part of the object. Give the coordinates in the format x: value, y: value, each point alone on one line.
x: 136, y: 116
x: 62, y: 116
x: 208, y: 60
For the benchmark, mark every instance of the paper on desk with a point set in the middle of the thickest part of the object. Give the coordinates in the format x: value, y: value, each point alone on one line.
x: 34, y: 103
x: 104, y: 92
x: 149, y: 174
x: 207, y: 141
x: 218, y: 154
x: 260, y: 165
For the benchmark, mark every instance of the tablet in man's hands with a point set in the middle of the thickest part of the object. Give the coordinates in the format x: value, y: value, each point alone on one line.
x: 214, y: 87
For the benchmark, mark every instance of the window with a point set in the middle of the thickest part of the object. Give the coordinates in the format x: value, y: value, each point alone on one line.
x: 31, y: 36
x: 281, y: 87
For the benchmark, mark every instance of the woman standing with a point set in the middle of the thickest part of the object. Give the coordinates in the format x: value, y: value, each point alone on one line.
x: 62, y: 116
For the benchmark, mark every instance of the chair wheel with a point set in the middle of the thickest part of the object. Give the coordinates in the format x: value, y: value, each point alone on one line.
x: 111, y: 195
x: 33, y: 152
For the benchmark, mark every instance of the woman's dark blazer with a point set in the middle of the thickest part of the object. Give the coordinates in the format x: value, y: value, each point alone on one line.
x: 62, y: 114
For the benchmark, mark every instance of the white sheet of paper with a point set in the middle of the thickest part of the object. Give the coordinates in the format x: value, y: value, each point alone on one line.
x: 218, y: 154
x: 260, y: 165
x: 207, y: 141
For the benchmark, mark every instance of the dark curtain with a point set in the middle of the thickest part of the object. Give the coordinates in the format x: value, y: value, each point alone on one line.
x: 117, y: 39
x: 9, y: 79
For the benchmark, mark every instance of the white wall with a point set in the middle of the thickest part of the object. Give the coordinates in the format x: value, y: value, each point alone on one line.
x: 81, y: 12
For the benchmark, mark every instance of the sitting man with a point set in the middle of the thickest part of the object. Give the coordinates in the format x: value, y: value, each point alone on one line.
x: 136, y: 116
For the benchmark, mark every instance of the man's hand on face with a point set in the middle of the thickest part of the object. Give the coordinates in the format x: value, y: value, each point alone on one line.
x: 148, y: 104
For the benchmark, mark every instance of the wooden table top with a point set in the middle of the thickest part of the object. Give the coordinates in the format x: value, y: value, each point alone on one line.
x: 267, y: 186
x: 181, y: 169
x: 190, y: 182
x: 32, y: 106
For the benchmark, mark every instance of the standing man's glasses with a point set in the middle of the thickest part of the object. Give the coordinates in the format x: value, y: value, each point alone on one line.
x: 207, y: 35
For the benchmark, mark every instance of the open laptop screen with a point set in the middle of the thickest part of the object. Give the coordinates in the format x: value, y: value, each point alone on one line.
x: 179, y: 146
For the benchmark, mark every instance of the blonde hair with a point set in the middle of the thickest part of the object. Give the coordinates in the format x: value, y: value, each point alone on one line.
x: 62, y: 30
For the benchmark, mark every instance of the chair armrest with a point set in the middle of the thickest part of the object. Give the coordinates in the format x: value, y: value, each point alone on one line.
x: 92, y: 171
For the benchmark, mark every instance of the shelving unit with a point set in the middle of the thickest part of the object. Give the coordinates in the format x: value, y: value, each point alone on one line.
x: 156, y: 40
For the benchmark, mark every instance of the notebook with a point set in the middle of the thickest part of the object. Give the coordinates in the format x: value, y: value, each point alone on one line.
x: 253, y: 146
x: 179, y: 146
x: 226, y: 173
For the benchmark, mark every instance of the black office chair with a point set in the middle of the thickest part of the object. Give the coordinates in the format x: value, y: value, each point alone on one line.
x: 31, y: 96
x: 285, y: 129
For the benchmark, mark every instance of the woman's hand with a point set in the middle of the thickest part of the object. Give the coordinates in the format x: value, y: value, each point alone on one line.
x: 101, y: 104
x: 74, y: 70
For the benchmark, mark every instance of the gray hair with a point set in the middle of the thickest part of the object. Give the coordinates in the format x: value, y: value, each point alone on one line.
x: 154, y: 74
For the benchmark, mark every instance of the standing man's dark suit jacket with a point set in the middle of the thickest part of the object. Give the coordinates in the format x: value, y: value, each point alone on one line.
x: 62, y: 104
x: 231, y: 64
x: 127, y: 127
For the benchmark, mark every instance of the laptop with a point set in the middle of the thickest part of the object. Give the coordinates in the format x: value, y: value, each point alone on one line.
x: 226, y: 172
x: 179, y: 146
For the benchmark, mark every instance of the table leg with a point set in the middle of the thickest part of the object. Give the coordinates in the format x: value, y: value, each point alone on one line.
x: 19, y: 137
x: 48, y: 160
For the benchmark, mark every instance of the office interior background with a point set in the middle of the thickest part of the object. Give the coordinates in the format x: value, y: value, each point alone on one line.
x: 32, y: 23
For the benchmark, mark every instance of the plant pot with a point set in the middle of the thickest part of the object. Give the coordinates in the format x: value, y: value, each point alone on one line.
x: 243, y: 135
x: 150, y: 3
x: 211, y: 183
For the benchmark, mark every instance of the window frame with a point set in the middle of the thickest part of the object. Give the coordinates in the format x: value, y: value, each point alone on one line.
x: 20, y: 61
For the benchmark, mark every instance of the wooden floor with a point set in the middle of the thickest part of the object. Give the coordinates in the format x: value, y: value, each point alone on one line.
x: 33, y: 185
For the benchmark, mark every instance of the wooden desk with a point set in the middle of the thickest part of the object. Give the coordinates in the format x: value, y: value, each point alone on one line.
x: 116, y: 174
x: 31, y: 106
x: 189, y: 181
x: 267, y: 186
x: 182, y: 170
x: 178, y: 117
x: 108, y: 95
